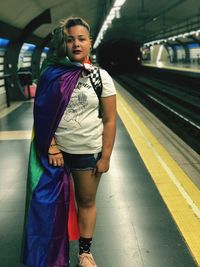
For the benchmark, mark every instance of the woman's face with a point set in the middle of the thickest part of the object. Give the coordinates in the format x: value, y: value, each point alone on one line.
x: 78, y: 43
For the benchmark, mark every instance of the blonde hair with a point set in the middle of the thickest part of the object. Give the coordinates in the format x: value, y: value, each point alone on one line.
x: 74, y: 21
x: 59, y: 34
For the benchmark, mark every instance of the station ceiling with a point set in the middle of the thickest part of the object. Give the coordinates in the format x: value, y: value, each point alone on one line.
x: 140, y: 20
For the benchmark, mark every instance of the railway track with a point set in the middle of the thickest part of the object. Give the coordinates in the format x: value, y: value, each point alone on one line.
x: 176, y: 106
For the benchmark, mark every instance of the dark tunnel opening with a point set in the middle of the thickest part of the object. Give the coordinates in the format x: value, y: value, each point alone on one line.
x: 121, y: 57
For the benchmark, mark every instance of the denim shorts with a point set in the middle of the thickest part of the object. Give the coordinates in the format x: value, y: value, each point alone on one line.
x: 81, y: 161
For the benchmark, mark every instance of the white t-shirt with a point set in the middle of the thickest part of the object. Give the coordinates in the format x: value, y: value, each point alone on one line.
x: 80, y: 129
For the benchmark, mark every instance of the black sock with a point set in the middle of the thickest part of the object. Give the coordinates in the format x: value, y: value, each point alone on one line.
x: 84, y: 245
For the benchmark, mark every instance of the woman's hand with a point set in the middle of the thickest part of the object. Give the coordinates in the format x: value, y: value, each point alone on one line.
x: 55, y: 156
x: 102, y: 165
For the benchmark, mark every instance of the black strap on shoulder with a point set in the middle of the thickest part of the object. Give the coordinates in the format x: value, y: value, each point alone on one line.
x: 95, y: 79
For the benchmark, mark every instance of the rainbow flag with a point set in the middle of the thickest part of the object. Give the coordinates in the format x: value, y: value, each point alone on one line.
x: 46, y: 237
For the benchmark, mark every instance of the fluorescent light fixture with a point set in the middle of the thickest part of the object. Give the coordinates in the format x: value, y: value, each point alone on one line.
x: 105, y: 27
x: 114, y: 13
x: 185, y: 34
x: 110, y: 17
x: 119, y: 3
x: 173, y: 38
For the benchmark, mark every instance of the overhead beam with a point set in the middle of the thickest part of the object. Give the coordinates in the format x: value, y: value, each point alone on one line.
x: 43, y: 18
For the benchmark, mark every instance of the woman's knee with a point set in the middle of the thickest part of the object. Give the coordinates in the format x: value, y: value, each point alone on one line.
x: 86, y: 202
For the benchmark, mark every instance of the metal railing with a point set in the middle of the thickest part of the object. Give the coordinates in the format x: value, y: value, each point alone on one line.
x: 5, y: 77
x: 24, y: 78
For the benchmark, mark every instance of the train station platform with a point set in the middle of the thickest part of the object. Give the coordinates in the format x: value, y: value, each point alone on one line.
x: 190, y: 68
x: 148, y: 203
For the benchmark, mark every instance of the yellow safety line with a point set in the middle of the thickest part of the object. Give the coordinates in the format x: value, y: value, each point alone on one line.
x: 181, y: 196
x: 15, y: 135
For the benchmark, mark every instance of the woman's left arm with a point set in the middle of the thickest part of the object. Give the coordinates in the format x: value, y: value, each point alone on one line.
x: 109, y: 130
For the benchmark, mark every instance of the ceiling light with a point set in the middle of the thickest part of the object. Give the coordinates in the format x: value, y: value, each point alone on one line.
x: 192, y: 32
x: 114, y: 13
x: 119, y: 3
x: 173, y: 38
x: 110, y: 17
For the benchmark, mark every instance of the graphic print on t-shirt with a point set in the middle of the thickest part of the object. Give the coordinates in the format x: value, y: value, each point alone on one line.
x: 77, y: 105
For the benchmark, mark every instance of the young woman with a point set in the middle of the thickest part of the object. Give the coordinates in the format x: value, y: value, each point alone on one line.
x: 71, y: 135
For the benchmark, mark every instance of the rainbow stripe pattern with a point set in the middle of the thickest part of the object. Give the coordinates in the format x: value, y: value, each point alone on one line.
x: 46, y: 237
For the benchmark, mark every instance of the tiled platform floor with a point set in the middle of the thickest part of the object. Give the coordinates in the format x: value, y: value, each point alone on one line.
x: 134, y: 227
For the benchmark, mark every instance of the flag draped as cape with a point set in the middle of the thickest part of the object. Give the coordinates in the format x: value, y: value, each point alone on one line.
x: 46, y: 237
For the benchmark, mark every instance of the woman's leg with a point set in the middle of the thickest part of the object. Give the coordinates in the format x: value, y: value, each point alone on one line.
x: 86, y: 184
